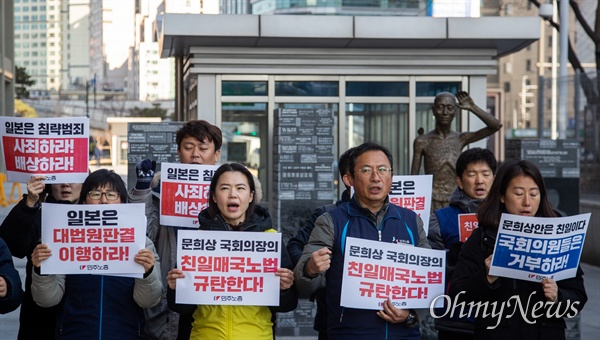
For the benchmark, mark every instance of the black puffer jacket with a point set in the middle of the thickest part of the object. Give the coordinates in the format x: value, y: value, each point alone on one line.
x: 22, y: 232
x: 470, y: 279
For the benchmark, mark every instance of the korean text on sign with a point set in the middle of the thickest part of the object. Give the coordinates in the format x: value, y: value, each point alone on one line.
x: 93, y: 239
x: 188, y: 187
x: 533, y: 248
x: 374, y: 271
x: 227, y: 267
x: 414, y: 193
x: 466, y: 224
x: 54, y: 147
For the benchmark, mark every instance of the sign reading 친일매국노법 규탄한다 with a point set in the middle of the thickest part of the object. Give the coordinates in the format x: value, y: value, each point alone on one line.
x: 228, y: 267
x: 411, y: 277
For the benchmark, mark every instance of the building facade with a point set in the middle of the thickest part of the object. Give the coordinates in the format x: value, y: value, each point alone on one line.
x: 7, y: 57
x: 51, y: 40
x: 379, y: 82
x: 111, y: 37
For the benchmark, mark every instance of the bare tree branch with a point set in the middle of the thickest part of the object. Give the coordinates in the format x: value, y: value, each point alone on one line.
x: 587, y: 84
x: 586, y: 27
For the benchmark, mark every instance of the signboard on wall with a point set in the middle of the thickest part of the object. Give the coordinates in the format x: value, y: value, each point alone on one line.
x: 304, y: 159
x: 155, y: 141
x: 558, y: 161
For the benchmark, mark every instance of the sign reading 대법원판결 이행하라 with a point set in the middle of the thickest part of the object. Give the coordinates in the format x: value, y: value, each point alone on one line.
x: 56, y: 148
x: 93, y: 238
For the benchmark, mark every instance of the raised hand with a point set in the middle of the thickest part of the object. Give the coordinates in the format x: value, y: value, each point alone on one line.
x: 319, y: 261
x: 144, y: 171
x: 35, y: 186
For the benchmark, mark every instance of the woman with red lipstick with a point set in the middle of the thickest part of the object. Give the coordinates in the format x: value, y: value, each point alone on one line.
x: 232, y: 207
x: 21, y: 230
x: 517, y: 189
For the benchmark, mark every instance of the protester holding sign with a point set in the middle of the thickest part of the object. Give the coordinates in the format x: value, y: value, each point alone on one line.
x: 232, y: 207
x: 475, y: 169
x: 21, y: 230
x: 11, y: 292
x: 99, y: 306
x: 198, y: 142
x: 523, y: 309
x: 368, y: 215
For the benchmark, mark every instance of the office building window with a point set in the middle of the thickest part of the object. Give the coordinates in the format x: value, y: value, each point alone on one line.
x: 430, y: 89
x: 376, y: 89
x: 307, y: 88
x: 244, y: 88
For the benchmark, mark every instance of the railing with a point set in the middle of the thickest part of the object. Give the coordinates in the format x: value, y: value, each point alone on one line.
x: 11, y: 197
x: 53, y: 108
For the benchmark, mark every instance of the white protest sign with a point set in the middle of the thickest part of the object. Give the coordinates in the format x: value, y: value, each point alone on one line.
x: 533, y: 248
x: 410, y: 277
x: 228, y: 267
x: 56, y: 148
x: 93, y: 238
x: 414, y: 193
x: 184, y: 189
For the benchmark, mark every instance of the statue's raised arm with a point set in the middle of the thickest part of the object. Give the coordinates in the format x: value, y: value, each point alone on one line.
x: 439, y: 149
x: 492, y: 124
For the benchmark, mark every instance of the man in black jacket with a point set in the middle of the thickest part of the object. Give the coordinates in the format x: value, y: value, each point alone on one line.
x: 297, y: 243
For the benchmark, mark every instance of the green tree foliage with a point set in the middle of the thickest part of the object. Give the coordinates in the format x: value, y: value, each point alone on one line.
x: 23, y: 81
x: 155, y: 111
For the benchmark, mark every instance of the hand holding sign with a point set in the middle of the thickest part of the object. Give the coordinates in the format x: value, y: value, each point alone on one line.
x: 172, y: 277
x: 40, y: 253
x: 392, y: 314
x: 488, y: 263
x: 286, y: 278
x: 35, y: 186
x: 145, y: 173
x: 145, y: 258
x: 550, y: 289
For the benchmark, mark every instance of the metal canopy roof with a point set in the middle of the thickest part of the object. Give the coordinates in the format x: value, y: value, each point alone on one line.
x: 177, y: 33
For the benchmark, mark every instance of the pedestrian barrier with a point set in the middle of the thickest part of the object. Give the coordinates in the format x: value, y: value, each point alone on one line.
x: 11, y: 198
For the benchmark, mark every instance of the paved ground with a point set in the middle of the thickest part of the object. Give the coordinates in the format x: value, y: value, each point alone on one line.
x: 589, y: 325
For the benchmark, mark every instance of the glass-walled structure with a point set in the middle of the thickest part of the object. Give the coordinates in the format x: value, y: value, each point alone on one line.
x: 352, y: 79
x: 369, y: 108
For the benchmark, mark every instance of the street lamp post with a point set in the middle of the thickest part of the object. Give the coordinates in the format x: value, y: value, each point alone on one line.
x: 562, y: 95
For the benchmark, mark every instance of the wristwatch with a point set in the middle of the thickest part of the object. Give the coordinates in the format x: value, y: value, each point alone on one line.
x: 412, y: 320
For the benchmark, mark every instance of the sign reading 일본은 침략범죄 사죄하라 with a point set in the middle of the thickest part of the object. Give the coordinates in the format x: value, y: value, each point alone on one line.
x: 187, y: 186
x: 56, y: 148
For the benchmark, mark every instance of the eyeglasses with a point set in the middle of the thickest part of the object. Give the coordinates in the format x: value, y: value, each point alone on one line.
x: 97, y: 195
x: 449, y: 108
x: 382, y: 171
